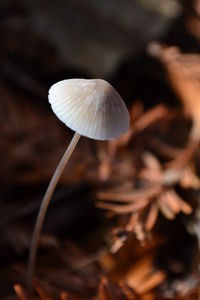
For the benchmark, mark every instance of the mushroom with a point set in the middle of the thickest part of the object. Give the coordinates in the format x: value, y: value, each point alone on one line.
x: 92, y: 108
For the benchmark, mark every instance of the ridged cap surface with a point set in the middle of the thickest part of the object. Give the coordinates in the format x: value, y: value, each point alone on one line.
x: 93, y: 108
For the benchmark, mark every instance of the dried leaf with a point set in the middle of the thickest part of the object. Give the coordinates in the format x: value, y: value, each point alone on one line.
x: 183, y: 72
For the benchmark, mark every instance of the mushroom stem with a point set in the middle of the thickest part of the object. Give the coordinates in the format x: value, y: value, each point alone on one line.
x: 44, y: 206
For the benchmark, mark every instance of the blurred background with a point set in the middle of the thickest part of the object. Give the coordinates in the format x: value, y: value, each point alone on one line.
x: 93, y: 236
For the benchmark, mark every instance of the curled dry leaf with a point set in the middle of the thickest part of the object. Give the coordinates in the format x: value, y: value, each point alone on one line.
x: 183, y: 72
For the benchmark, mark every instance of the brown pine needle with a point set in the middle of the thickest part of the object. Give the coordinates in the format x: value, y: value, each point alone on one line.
x: 123, y: 209
x: 152, y: 217
x: 131, y: 196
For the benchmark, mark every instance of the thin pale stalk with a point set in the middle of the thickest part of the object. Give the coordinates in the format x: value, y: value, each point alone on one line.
x: 43, y: 208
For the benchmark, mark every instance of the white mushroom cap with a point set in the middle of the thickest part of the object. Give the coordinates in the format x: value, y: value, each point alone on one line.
x: 93, y: 108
